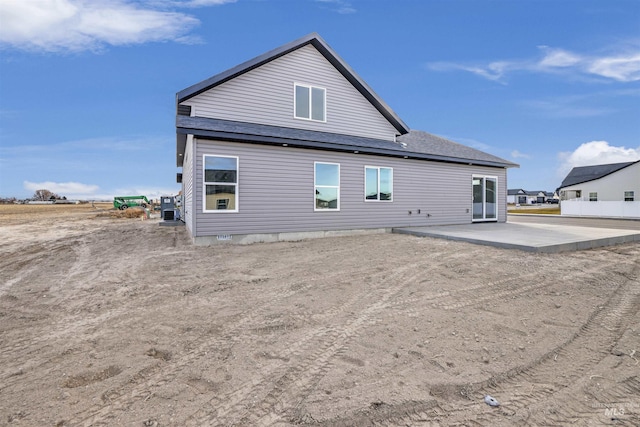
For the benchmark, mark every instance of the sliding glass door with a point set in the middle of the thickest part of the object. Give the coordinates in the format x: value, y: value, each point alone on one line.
x: 485, y: 190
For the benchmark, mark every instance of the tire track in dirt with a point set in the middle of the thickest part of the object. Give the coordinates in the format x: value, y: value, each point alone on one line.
x: 570, y: 406
x: 291, y: 385
x: 22, y: 347
x: 294, y: 383
x: 138, y: 388
x: 496, y: 290
x: 35, y: 313
x: 280, y: 389
x: 538, y: 386
x: 541, y: 375
x: 535, y: 403
x: 407, y: 413
x: 15, y: 267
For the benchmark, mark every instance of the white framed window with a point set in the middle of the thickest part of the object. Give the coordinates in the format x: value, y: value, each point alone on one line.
x: 220, y: 179
x: 378, y: 184
x: 309, y: 102
x: 593, y: 197
x: 629, y: 196
x: 326, y: 177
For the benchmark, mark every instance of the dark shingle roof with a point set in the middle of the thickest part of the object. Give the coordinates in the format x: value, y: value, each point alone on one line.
x: 416, y: 144
x: 316, y: 41
x: 418, y: 141
x: 581, y: 174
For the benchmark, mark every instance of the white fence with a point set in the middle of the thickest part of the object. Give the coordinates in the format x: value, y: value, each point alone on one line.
x: 600, y: 208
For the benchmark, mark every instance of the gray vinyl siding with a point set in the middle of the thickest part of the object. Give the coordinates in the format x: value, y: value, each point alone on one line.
x: 188, y: 207
x: 276, y: 191
x: 265, y: 96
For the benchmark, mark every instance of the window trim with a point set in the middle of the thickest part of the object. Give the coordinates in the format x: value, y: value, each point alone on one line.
x: 377, y: 199
x: 205, y: 183
x: 315, y: 208
x: 324, y: 103
x: 629, y: 196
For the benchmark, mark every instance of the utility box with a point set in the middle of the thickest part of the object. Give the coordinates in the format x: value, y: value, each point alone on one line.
x: 168, y: 208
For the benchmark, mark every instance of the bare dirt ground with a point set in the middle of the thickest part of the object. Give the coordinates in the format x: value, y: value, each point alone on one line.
x: 121, y: 322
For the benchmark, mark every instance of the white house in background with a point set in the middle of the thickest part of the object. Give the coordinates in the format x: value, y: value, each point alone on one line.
x: 516, y: 196
x: 611, y: 190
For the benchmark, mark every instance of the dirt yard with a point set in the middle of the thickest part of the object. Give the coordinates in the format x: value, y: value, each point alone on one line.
x: 120, y: 322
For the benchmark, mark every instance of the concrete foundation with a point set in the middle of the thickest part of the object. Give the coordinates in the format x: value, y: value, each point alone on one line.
x: 247, y: 239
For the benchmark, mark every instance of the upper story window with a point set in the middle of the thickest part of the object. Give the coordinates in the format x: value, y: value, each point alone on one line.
x: 593, y: 197
x: 378, y: 183
x: 220, y: 184
x: 310, y: 102
x: 629, y: 196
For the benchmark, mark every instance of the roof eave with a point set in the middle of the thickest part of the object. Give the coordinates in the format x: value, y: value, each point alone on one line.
x: 274, y: 140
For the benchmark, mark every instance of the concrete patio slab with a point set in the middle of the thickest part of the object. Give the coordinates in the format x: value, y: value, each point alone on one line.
x: 531, y: 237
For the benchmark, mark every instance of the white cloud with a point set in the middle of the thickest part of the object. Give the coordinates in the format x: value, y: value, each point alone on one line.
x: 518, y: 155
x: 202, y: 3
x: 561, y: 108
x: 595, y: 153
x: 343, y: 7
x: 493, y: 71
x: 580, y: 105
x: 622, y: 66
x: 558, y: 58
x: 62, y: 188
x: 79, y: 25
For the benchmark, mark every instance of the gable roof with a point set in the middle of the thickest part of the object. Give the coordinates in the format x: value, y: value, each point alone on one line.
x: 416, y: 144
x: 515, y: 191
x: 316, y: 41
x: 581, y: 174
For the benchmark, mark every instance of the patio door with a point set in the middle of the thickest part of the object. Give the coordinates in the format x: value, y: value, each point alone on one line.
x: 485, y: 198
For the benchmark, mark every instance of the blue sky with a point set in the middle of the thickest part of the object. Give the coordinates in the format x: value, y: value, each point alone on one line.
x: 87, y: 87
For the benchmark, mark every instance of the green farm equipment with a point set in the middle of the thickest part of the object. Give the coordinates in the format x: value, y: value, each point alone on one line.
x: 124, y: 202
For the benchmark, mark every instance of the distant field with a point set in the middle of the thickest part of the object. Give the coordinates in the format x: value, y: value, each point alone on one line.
x: 541, y: 211
x: 25, y: 213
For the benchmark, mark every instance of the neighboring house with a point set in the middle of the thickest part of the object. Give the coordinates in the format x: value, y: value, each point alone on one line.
x: 551, y: 195
x: 295, y: 144
x: 534, y: 197
x: 516, y: 196
x: 611, y: 190
x: 522, y: 197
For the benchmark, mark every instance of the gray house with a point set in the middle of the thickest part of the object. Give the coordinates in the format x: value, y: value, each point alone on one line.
x: 294, y: 144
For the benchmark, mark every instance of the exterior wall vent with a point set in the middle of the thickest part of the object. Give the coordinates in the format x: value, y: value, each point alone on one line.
x: 184, y: 110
